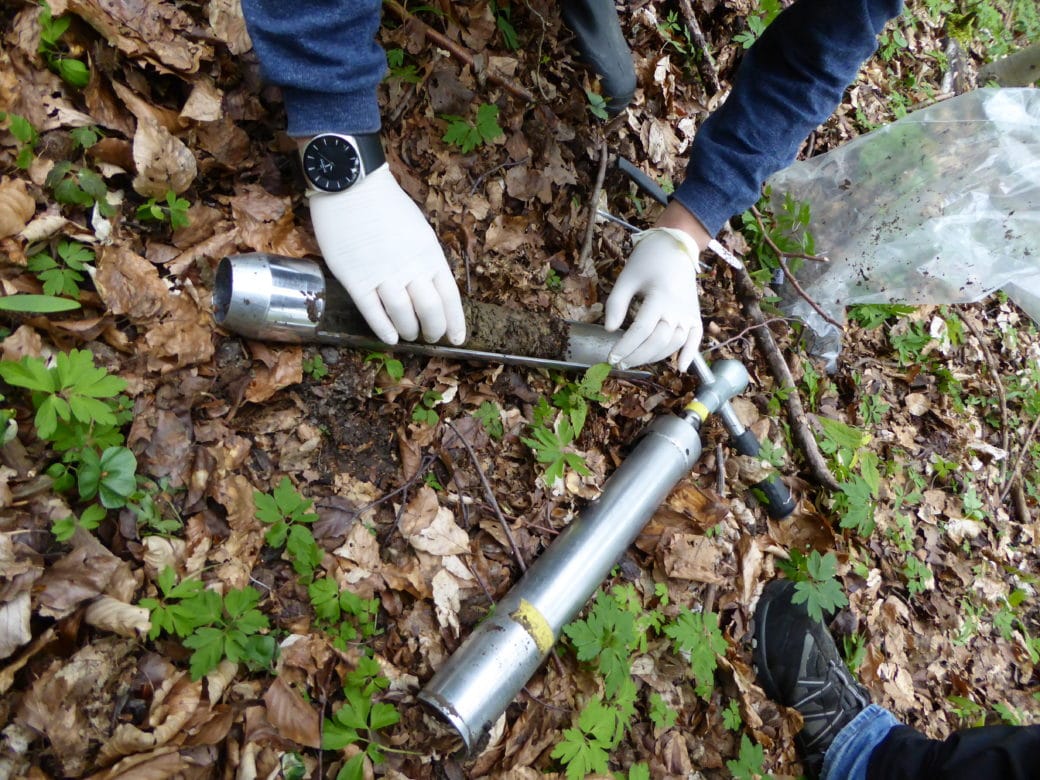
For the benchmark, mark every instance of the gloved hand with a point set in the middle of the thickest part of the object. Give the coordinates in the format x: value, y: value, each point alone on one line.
x: 662, y: 270
x: 380, y: 247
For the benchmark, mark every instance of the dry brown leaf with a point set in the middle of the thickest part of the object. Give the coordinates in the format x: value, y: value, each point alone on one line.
x: 240, y: 551
x: 24, y: 342
x: 266, y: 223
x: 430, y: 527
x: 14, y: 623
x: 16, y: 206
x: 204, y: 102
x: 690, y: 557
x: 167, y: 718
x: 293, y: 717
x: 160, y: 552
x: 281, y: 367
x: 80, y: 576
x: 110, y: 614
x: 162, y: 160
x: 228, y: 24
x: 71, y: 702
x: 165, y: 763
x: 446, y: 600
x: 153, y: 30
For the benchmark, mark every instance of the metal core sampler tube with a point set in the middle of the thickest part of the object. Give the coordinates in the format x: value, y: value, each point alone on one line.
x: 273, y: 298
x: 485, y: 674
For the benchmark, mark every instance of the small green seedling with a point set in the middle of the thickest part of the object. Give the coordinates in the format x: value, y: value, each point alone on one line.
x: 697, y: 636
x: 816, y: 582
x: 25, y: 134
x: 288, y: 515
x: 314, y: 367
x: 467, y: 135
x: 64, y: 274
x: 173, y: 209
x: 72, y: 71
x: 359, y: 719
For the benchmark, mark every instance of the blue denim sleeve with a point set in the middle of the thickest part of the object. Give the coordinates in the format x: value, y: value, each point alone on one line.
x: 789, y: 82
x: 324, y: 56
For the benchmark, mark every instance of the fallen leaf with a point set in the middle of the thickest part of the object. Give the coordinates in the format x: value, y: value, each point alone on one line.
x: 16, y: 206
x: 690, y: 557
x: 430, y: 527
x: 118, y: 617
x: 14, y: 623
x: 294, y: 718
x: 162, y: 160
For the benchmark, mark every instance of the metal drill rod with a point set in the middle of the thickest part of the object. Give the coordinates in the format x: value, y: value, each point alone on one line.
x: 771, y: 490
x: 474, y: 687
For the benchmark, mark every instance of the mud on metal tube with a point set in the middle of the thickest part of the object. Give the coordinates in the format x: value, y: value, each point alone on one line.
x: 273, y: 298
x: 485, y: 674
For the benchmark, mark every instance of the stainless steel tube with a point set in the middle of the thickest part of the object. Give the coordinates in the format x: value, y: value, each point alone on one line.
x: 273, y: 298
x: 485, y: 674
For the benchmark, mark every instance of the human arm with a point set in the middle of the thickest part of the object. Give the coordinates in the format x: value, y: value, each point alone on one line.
x: 375, y: 241
x: 789, y: 82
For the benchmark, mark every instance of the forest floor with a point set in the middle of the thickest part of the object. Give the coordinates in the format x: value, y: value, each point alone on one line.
x: 238, y: 552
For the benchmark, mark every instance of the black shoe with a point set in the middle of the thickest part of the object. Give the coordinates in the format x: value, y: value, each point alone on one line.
x: 602, y: 46
x: 798, y: 666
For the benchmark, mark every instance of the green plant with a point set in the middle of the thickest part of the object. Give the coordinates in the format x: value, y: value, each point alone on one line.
x: 152, y: 504
x: 676, y: 33
x: 342, y: 613
x: 909, y: 343
x: 399, y: 70
x: 37, y: 304
x: 490, y: 416
x: 25, y: 134
x: 551, y: 447
x: 890, y: 42
x: 731, y: 716
x: 62, y: 276
x: 697, y: 636
x: 81, y: 186
x: 845, y: 447
x: 287, y: 513
x: 597, y: 105
x: 503, y: 21
x: 359, y: 718
x: 605, y: 638
x: 586, y: 749
x: 215, y: 627
x: 771, y: 230
x: 918, y: 575
x: 314, y: 367
x: 109, y: 475
x: 84, y: 137
x: 468, y: 135
x: 173, y: 210
x: 874, y: 315
x: 90, y: 519
x: 748, y: 764
x: 969, y: 712
x: 757, y: 22
x: 72, y: 71
x: 816, y: 582
x: 854, y: 648
x: 553, y: 280
x: 1008, y: 714
x: 425, y: 411
x: 392, y: 366
x: 72, y: 390
x: 573, y: 398
x: 661, y: 714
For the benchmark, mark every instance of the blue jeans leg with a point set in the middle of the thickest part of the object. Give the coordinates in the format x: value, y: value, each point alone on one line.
x: 849, y: 753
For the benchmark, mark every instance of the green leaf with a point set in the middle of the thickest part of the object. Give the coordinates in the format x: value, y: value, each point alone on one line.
x: 487, y: 122
x: 748, y: 766
x: 74, y: 72
x: 118, y: 476
x: 63, y: 530
x: 37, y: 304
x: 85, y: 137
x: 239, y: 601
x: 304, y: 552
x: 22, y: 129
x: 354, y: 769
x: 324, y: 596
x: 697, y: 635
x: 208, y: 644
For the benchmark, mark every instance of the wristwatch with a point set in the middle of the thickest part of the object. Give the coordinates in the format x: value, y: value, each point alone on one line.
x: 334, y: 162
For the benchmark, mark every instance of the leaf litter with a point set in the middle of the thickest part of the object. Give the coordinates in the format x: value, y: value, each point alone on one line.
x: 943, y: 613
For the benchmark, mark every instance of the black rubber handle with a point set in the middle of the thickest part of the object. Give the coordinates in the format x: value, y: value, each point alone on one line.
x: 771, y: 491
x: 644, y: 182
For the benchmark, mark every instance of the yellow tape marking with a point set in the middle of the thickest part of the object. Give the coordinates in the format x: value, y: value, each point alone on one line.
x: 698, y: 409
x: 534, y: 622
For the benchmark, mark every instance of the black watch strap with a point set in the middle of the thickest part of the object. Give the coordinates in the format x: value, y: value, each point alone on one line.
x: 370, y: 147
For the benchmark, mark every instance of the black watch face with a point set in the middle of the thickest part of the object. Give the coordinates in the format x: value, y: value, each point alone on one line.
x: 331, y: 163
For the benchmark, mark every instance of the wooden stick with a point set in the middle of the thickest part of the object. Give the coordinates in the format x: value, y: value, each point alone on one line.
x: 994, y: 371
x: 1019, y: 460
x: 706, y: 64
x: 458, y: 52
x: 801, y: 432
x: 586, y: 268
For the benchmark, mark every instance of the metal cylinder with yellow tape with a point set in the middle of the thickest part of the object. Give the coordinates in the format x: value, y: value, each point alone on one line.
x: 485, y: 674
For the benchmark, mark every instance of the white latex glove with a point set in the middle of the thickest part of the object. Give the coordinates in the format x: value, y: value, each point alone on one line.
x: 380, y: 247
x: 662, y: 270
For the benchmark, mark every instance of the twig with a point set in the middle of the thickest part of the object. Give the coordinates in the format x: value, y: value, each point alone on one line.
x: 584, y: 267
x: 782, y: 257
x: 801, y: 433
x: 780, y: 252
x: 458, y: 52
x: 994, y: 371
x: 747, y: 330
x: 1018, y: 495
x: 1019, y: 460
x: 507, y: 164
x: 490, y: 496
x: 706, y: 63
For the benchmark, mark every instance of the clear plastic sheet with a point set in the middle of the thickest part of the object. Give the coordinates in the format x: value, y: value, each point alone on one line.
x: 941, y: 206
